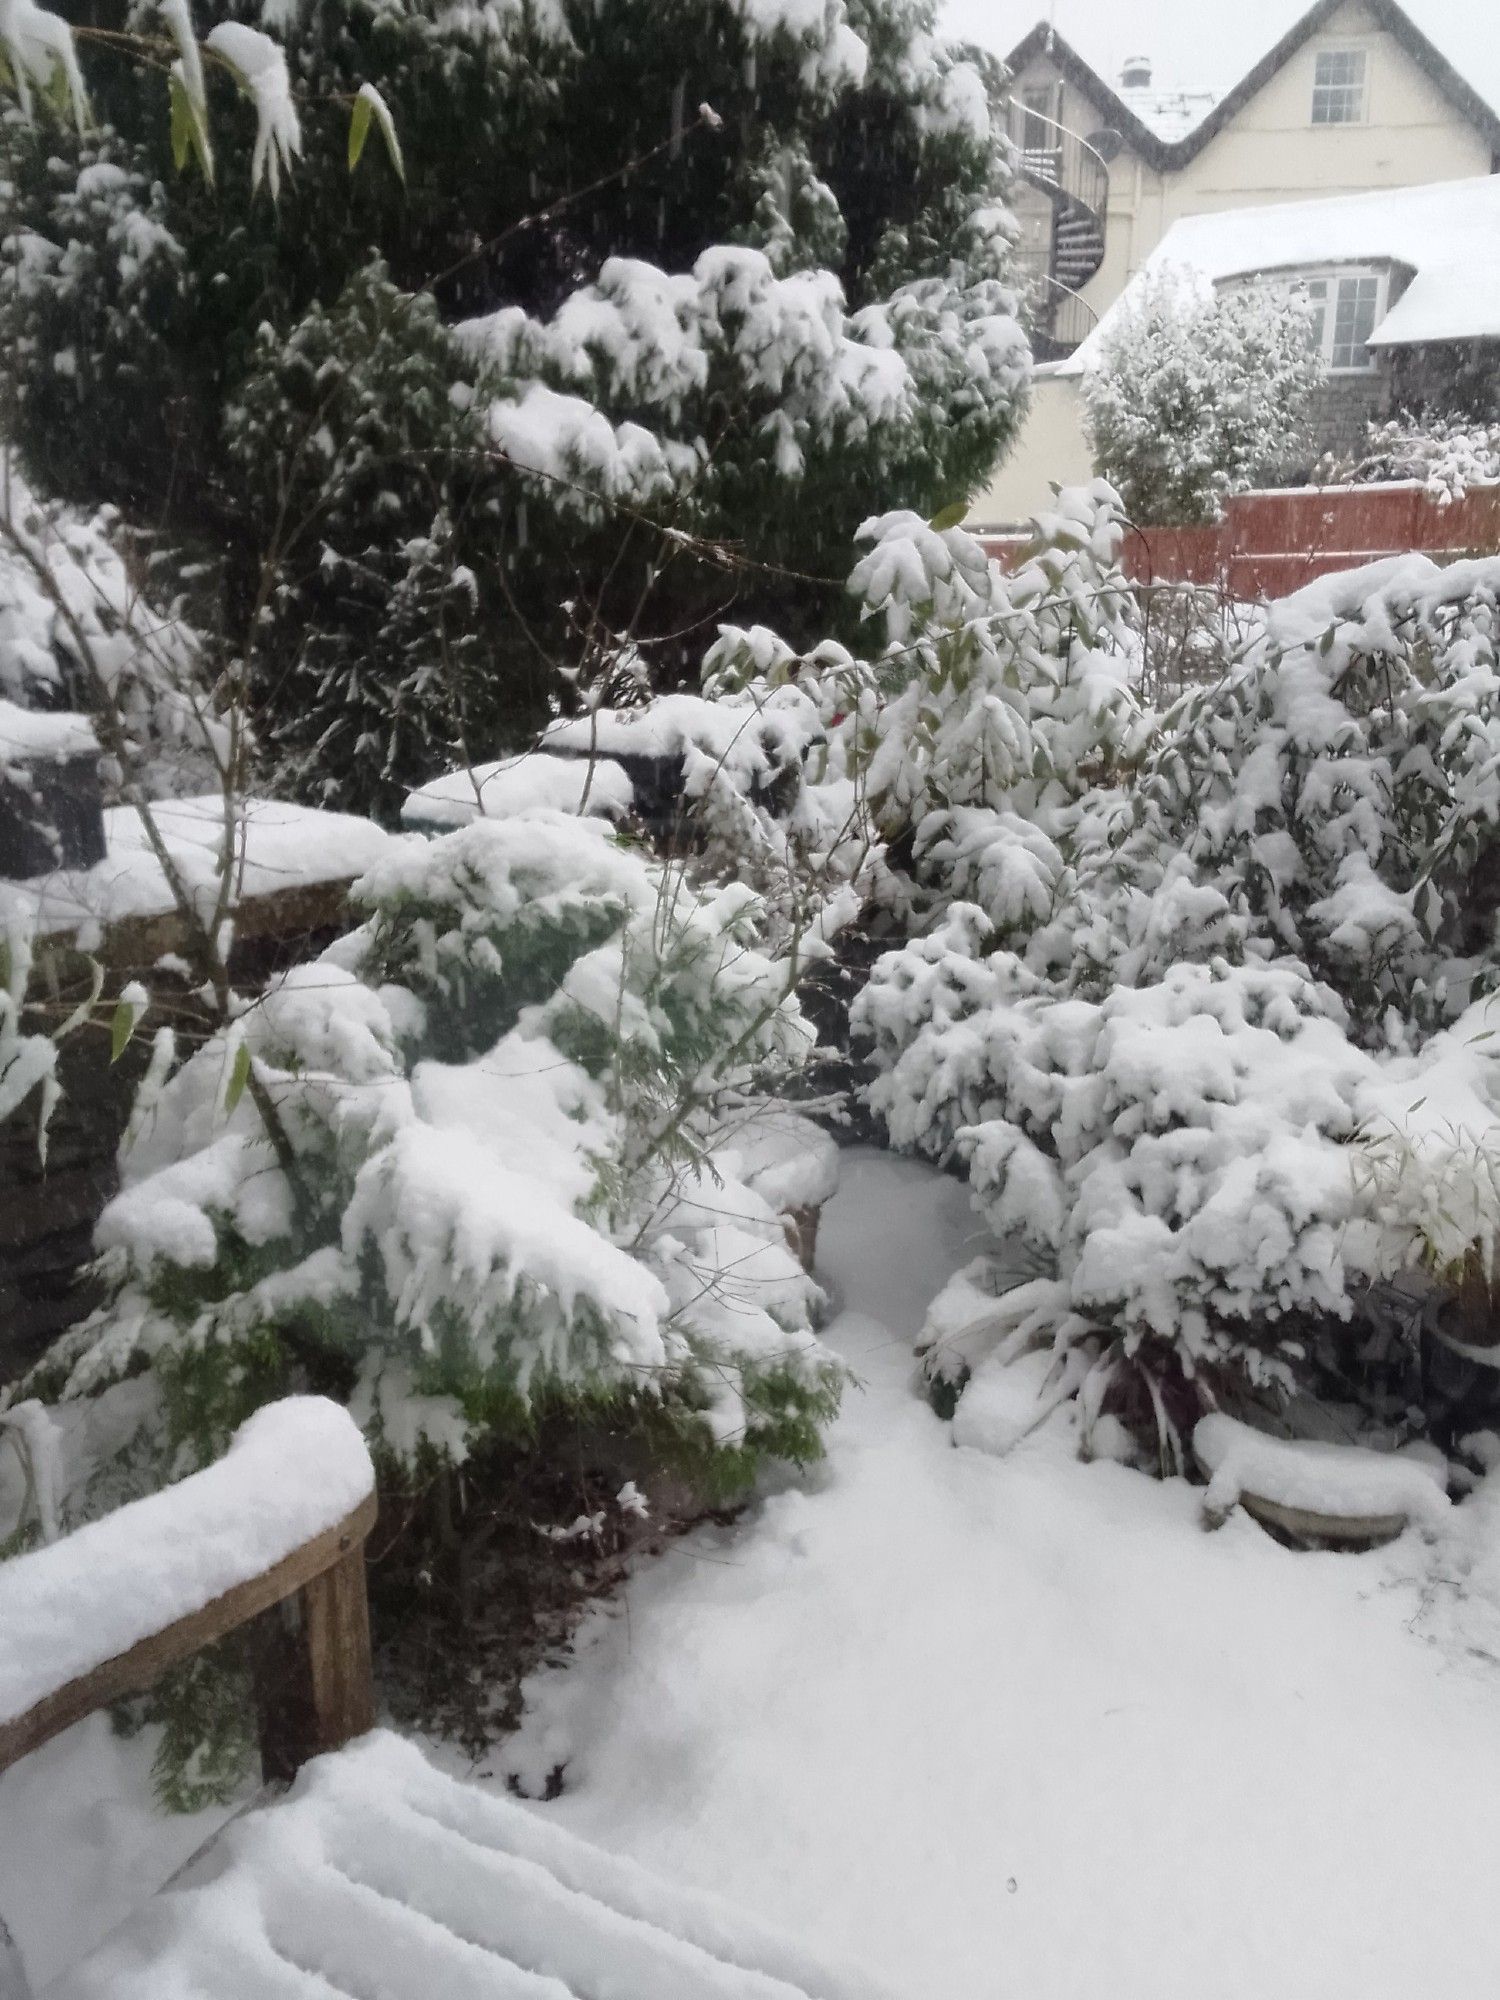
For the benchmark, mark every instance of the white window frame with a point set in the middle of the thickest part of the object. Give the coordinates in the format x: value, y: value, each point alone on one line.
x: 1344, y: 100
x: 1331, y: 279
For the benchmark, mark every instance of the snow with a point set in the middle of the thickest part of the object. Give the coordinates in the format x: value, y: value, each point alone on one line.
x: 260, y: 66
x: 277, y: 847
x: 381, y: 1874
x: 519, y: 785
x: 26, y: 734
x: 1458, y: 300
x: 786, y: 1159
x: 1336, y: 1479
x: 293, y: 1469
x: 1171, y: 111
x: 984, y: 1720
x: 1432, y: 230
x: 922, y: 1708
x: 83, y: 1845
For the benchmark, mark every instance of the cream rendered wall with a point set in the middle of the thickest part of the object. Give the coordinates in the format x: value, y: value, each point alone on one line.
x: 1051, y: 450
x: 1269, y: 152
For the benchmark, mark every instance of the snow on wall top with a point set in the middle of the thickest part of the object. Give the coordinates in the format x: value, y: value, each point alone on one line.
x: 379, y: 1873
x: 1447, y: 233
x: 27, y: 733
x: 294, y: 1469
x: 519, y: 785
x: 278, y: 846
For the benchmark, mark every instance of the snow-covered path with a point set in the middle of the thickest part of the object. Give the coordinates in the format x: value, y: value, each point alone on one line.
x: 1021, y: 1726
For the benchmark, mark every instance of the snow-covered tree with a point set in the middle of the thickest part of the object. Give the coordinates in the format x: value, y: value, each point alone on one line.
x: 724, y: 278
x: 1199, y: 393
x: 503, y: 1097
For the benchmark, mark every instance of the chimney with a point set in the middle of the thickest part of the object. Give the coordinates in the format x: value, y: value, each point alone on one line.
x: 1136, y: 75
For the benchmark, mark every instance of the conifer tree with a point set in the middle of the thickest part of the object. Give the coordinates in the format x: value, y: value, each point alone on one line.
x: 692, y: 288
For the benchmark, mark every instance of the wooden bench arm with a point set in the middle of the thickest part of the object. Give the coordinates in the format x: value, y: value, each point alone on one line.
x: 215, y: 1551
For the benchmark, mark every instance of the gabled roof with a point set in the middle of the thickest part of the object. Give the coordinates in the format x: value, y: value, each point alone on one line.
x: 1167, y: 156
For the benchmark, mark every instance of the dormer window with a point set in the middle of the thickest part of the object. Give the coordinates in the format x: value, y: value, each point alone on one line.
x: 1339, y: 87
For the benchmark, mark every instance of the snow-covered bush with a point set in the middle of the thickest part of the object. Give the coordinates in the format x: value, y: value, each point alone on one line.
x: 703, y: 335
x: 498, y: 1098
x: 1169, y: 1058
x: 74, y: 603
x: 1448, y: 453
x: 1197, y: 394
x: 371, y: 671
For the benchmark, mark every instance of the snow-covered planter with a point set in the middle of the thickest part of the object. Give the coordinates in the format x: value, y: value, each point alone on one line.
x: 1312, y: 1491
x: 51, y: 807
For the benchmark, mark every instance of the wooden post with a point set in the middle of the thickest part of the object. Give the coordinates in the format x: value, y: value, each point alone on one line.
x: 313, y: 1685
x: 311, y: 1654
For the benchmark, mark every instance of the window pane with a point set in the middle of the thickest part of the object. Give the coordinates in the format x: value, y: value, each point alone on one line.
x: 1354, y: 321
x: 1339, y: 87
x: 1036, y: 136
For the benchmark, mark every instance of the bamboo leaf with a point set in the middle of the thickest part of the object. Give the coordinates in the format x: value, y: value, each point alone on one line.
x: 367, y: 106
x: 359, y: 129
x: 121, y: 1028
x: 182, y: 123
x: 239, y: 1076
x: 189, y: 132
x: 951, y: 516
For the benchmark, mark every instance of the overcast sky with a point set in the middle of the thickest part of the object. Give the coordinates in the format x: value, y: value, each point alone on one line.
x: 1214, y: 41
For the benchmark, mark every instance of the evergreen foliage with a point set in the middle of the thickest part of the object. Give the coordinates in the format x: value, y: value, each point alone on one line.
x: 501, y: 1096
x: 1199, y: 394
x: 702, y: 344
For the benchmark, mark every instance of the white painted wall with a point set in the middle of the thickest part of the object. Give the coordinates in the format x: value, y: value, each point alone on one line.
x: 1051, y: 450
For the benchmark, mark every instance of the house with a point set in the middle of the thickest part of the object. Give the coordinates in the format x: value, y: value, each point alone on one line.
x: 1404, y: 286
x: 1352, y: 100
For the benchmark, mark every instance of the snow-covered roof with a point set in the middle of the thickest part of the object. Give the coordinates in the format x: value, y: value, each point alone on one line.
x: 1447, y: 233
x: 1172, y: 112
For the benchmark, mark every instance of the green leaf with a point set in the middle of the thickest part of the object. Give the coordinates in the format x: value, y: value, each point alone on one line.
x: 58, y: 91
x: 239, y: 1076
x: 359, y: 129
x: 189, y: 133
x: 369, y: 104
x: 182, y: 123
x: 951, y: 516
x: 121, y: 1028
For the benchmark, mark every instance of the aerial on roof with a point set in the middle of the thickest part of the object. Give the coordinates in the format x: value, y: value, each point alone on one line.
x: 1447, y: 234
x: 1171, y: 112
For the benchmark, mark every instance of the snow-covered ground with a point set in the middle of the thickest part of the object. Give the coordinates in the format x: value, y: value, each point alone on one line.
x: 995, y: 1726
x: 1021, y: 1726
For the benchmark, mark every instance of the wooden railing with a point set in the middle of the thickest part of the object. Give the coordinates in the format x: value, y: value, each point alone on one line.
x: 310, y: 1649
